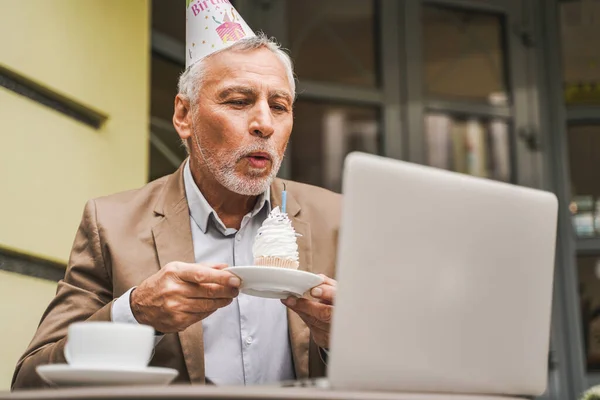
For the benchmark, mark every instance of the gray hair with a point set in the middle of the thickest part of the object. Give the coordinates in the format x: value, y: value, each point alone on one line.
x: 192, y: 78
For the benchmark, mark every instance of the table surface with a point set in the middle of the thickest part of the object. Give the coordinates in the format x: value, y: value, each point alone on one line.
x: 226, y: 392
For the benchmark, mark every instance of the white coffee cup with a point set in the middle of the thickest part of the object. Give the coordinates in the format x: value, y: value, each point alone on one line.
x: 109, y: 345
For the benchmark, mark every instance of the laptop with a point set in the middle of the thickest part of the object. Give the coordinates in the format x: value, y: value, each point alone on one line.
x: 444, y: 282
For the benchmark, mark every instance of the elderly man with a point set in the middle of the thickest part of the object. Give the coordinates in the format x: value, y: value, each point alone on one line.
x: 156, y: 255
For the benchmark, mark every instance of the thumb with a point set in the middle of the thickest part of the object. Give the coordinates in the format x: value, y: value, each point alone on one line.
x: 219, y: 266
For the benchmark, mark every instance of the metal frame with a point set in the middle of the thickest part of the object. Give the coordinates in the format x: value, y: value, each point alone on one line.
x: 308, y: 89
x: 394, y: 137
x: 560, y: 382
x: 412, y: 66
x: 559, y: 118
x: 588, y: 247
x: 520, y: 23
x: 470, y: 5
x: 561, y: 376
x: 567, y: 319
x: 464, y: 107
x: 583, y: 114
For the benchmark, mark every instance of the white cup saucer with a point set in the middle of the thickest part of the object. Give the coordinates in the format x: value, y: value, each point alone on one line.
x: 274, y: 282
x: 71, y: 375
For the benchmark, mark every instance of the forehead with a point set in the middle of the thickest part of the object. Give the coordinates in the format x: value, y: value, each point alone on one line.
x: 260, y: 67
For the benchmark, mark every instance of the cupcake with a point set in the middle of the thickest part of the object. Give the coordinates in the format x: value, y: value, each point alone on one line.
x: 275, y: 244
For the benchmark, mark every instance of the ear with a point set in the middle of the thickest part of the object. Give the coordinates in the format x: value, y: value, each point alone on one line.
x: 182, y: 117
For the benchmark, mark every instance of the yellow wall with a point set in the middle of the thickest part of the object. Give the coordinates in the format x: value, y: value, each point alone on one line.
x: 96, y: 52
x: 24, y: 300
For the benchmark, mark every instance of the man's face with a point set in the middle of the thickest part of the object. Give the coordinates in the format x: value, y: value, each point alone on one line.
x: 242, y: 119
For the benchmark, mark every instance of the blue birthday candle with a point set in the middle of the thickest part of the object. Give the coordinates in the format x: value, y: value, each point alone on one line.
x: 283, y: 199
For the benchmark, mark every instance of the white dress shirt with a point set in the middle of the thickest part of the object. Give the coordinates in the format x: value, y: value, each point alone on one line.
x: 246, y: 342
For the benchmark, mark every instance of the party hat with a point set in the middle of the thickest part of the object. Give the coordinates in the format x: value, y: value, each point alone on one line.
x: 212, y: 25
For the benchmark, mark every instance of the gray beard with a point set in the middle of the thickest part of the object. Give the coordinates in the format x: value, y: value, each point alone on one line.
x: 222, y: 166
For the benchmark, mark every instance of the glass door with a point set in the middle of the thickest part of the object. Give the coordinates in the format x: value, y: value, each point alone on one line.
x: 465, y: 66
x: 167, y: 63
x: 579, y: 33
x: 479, y: 113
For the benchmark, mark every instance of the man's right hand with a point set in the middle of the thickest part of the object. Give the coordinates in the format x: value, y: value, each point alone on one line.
x: 182, y: 294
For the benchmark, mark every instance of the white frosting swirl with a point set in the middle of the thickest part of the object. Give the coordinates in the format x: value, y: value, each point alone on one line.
x: 276, y: 237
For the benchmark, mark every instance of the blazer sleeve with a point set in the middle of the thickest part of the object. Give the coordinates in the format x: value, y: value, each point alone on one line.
x: 85, y: 294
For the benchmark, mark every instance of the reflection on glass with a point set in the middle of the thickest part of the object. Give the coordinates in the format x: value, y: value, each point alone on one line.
x: 580, y: 52
x: 159, y: 164
x: 463, y: 54
x: 324, y: 134
x: 472, y: 146
x: 333, y: 40
x: 584, y: 158
x: 164, y: 77
x: 589, y: 292
x: 168, y: 17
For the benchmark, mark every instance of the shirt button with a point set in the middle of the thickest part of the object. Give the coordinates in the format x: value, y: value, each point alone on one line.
x: 249, y: 340
x: 238, y: 237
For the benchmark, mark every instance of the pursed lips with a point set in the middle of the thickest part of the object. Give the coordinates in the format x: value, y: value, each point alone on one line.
x: 258, y: 159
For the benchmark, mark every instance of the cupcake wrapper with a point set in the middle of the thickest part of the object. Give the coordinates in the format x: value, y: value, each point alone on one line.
x: 276, y: 262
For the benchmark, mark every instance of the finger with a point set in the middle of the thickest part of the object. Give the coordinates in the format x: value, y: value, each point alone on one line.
x: 202, y: 306
x: 196, y: 273
x: 325, y: 293
x: 328, y: 280
x: 202, y: 291
x: 321, y: 312
x: 216, y: 275
x: 313, y: 323
x: 214, y: 291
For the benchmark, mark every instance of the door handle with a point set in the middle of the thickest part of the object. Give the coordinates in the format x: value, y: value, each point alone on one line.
x: 531, y: 138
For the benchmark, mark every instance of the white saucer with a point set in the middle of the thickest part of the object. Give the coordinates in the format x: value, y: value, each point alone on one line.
x: 275, y: 282
x: 68, y: 375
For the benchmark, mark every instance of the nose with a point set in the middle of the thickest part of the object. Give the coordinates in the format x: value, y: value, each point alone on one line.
x: 261, y: 120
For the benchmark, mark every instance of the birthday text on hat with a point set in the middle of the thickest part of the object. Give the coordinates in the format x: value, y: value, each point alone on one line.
x: 202, y: 5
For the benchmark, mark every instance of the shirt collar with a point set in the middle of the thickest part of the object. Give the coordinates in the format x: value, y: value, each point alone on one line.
x: 201, y: 211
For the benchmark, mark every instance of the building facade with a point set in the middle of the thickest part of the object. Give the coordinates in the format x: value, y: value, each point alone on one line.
x: 73, y: 125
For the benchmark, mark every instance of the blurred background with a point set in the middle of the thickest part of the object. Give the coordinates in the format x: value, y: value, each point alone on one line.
x: 503, y: 89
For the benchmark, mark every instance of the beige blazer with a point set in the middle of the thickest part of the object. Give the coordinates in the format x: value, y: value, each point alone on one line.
x: 126, y: 237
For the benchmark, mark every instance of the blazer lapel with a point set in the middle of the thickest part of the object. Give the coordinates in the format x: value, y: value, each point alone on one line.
x: 173, y: 240
x: 298, y: 330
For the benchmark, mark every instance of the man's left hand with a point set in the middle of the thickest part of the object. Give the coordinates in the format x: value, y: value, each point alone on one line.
x: 316, y: 313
